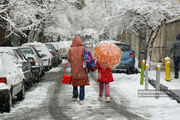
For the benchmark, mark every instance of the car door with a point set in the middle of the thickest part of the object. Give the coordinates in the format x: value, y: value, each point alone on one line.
x: 26, y: 66
x: 38, y: 58
x: 14, y: 74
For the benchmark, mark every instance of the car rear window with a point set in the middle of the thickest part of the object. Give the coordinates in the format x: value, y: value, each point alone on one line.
x: 48, y: 46
x: 124, y: 47
x: 26, y: 51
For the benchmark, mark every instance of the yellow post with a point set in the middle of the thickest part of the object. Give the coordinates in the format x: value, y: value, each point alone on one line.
x: 167, y: 69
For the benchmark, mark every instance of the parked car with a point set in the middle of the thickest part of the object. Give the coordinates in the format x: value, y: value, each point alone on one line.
x: 34, y: 58
x: 46, y: 56
x: 55, y: 44
x: 64, y: 48
x: 11, y: 81
x: 23, y: 63
x: 57, y: 58
x: 127, y: 58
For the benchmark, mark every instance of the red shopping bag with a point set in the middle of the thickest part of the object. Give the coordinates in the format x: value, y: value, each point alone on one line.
x: 66, y: 78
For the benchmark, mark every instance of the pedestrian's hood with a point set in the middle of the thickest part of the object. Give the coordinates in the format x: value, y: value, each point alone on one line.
x: 77, y: 41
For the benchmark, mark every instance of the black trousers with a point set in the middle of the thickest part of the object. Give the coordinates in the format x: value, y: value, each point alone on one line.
x: 176, y: 66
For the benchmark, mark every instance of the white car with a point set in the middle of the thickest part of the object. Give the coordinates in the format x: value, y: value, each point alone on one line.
x: 11, y: 81
x: 57, y: 57
x: 22, y: 63
x: 34, y: 58
x: 64, y: 46
x: 55, y: 44
x: 46, y: 56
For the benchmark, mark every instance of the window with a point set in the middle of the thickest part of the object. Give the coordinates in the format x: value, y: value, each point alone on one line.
x: 26, y: 51
x: 124, y: 47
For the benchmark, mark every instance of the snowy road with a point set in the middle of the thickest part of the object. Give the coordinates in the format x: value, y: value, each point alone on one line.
x: 50, y: 100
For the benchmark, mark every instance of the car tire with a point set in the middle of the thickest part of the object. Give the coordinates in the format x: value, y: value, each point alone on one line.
x: 130, y: 70
x: 8, y: 103
x: 21, y: 94
x: 42, y: 73
x: 50, y: 67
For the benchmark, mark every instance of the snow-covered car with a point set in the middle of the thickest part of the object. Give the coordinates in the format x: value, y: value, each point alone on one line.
x: 57, y: 59
x: 34, y: 58
x: 22, y: 62
x: 11, y: 81
x: 64, y: 48
x: 55, y: 44
x: 46, y: 56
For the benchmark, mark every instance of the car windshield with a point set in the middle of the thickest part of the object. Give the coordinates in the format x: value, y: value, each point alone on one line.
x: 53, y: 48
x: 37, y: 53
x: 26, y: 51
x: 124, y: 47
x: 48, y: 46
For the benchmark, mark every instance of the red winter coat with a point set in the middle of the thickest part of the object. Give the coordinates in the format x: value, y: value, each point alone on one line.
x: 75, y: 57
x: 104, y: 75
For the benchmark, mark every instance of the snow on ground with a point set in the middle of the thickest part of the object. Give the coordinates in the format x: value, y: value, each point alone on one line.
x: 91, y: 109
x: 33, y: 98
x: 56, y: 69
x: 173, y: 84
x: 127, y: 86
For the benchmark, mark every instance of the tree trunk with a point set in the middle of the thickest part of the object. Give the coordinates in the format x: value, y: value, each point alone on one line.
x: 142, y: 44
x: 2, y: 30
x: 3, y: 26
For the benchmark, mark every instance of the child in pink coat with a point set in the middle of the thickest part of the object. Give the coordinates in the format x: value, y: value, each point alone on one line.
x: 104, y: 77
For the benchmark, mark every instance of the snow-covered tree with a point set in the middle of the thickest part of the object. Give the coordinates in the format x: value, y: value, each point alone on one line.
x: 24, y: 15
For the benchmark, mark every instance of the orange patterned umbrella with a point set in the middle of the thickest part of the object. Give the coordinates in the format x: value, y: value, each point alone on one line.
x: 107, y: 54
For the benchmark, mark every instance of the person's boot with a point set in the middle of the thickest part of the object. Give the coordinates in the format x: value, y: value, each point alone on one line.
x: 74, y: 99
x: 100, y: 98
x: 81, y: 102
x: 176, y: 76
x: 107, y: 99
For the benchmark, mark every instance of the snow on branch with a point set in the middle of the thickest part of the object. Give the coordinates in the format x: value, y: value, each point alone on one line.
x: 25, y: 14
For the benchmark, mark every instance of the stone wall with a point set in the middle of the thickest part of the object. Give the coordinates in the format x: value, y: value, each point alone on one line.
x: 162, y: 43
x: 164, y: 40
x: 179, y: 1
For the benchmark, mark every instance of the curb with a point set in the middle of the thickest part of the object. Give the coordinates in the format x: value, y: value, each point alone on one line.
x: 170, y: 93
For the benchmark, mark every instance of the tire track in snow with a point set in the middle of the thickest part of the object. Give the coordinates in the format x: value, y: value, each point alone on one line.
x: 55, y: 110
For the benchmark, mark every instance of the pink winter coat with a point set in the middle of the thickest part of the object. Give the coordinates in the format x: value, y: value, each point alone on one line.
x: 75, y: 57
x: 104, y: 75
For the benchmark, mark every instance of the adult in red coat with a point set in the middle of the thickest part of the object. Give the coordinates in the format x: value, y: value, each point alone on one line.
x: 79, y: 74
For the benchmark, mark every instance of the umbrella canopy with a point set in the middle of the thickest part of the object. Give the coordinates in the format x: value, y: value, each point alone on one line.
x: 107, y: 54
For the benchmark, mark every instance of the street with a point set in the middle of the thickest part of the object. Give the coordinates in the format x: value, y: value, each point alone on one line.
x: 56, y: 103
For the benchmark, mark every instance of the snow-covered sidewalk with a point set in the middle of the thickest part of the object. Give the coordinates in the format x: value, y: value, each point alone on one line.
x: 173, y: 84
x: 126, y: 87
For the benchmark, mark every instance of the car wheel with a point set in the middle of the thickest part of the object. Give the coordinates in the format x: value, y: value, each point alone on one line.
x: 21, y: 94
x: 8, y: 103
x: 130, y: 70
x: 47, y: 68
x: 42, y: 73
x: 50, y: 67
